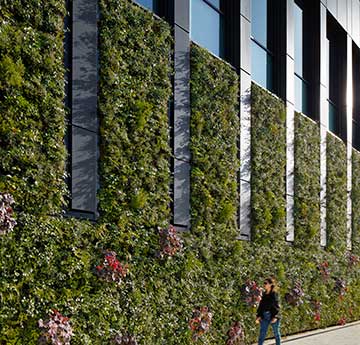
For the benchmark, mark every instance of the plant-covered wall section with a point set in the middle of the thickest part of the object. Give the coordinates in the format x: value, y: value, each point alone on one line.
x: 134, y: 94
x: 214, y: 137
x: 355, y: 198
x: 336, y: 194
x: 32, y: 122
x: 268, y: 157
x: 307, y: 182
x: 214, y: 199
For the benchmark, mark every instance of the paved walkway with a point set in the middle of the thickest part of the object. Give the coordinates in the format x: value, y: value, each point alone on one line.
x: 338, y: 335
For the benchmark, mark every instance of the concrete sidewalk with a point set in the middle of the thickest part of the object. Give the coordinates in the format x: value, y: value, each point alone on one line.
x: 338, y: 335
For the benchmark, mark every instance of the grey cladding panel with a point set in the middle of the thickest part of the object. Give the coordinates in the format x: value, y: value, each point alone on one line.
x: 342, y: 13
x: 182, y: 14
x: 182, y: 95
x: 246, y: 8
x: 84, y: 64
x: 84, y: 170
x: 332, y: 7
x: 182, y: 193
x: 355, y: 12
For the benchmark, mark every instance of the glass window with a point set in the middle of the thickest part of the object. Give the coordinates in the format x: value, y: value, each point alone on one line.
x: 261, y: 56
x: 298, y: 26
x: 332, y: 118
x: 301, y: 95
x: 206, y: 26
x: 262, y: 72
x: 259, y: 21
x: 150, y: 4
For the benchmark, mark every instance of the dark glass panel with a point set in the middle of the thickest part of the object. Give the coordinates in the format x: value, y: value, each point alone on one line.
x: 301, y: 96
x: 332, y: 118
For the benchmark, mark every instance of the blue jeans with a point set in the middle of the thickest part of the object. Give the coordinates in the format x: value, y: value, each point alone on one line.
x: 264, y: 325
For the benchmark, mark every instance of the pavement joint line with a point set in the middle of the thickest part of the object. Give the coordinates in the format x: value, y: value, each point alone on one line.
x: 307, y: 334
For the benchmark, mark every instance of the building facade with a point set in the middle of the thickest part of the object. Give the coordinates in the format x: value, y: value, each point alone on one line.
x: 236, y: 122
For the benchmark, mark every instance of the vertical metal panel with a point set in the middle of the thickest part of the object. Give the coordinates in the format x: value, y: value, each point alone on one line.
x: 84, y: 64
x: 84, y: 121
x: 356, y: 21
x: 332, y: 7
x: 290, y: 32
x: 349, y: 114
x: 182, y: 14
x: 290, y: 118
x: 342, y: 13
x: 245, y: 53
x: 245, y: 9
x: 84, y: 170
x: 323, y: 120
x: 181, y: 118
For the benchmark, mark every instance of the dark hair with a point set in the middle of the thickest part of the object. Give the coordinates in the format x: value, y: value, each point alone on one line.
x: 273, y: 284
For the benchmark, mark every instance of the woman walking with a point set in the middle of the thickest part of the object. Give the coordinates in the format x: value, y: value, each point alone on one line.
x: 268, y: 312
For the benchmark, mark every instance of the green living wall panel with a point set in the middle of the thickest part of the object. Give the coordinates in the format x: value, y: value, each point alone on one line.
x: 214, y: 93
x: 355, y: 197
x: 32, y: 122
x: 268, y: 161
x: 134, y: 94
x: 307, y: 182
x: 336, y: 194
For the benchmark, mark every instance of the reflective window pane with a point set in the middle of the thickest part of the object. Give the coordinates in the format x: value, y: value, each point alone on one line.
x: 147, y: 3
x: 259, y: 21
x: 206, y: 27
x: 261, y: 66
x: 301, y: 96
x: 298, y: 26
x: 332, y: 118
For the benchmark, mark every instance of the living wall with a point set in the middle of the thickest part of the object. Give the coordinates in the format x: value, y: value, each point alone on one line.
x: 355, y: 198
x: 307, y: 182
x: 268, y: 161
x: 32, y: 123
x: 49, y: 261
x: 336, y: 195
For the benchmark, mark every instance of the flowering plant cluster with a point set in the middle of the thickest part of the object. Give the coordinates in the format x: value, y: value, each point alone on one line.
x: 200, y: 322
x: 112, y: 270
x: 317, y: 310
x: 252, y: 293
x: 56, y: 330
x: 236, y: 334
x: 295, y: 295
x: 324, y: 270
x: 124, y: 339
x: 353, y: 260
x: 342, y: 321
x: 170, y: 242
x: 340, y: 287
x: 7, y: 222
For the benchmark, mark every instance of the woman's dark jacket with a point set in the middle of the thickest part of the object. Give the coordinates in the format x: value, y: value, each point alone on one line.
x: 269, y: 302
